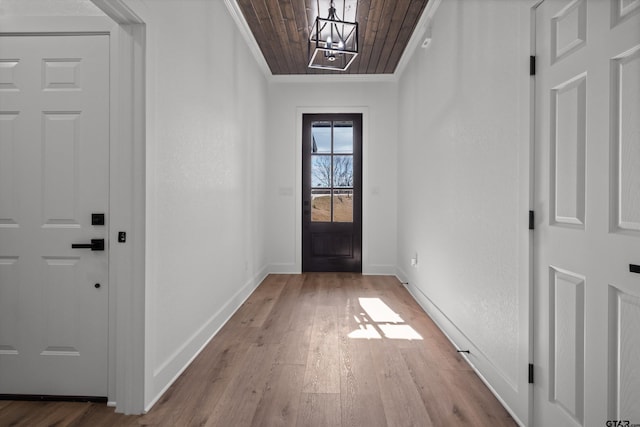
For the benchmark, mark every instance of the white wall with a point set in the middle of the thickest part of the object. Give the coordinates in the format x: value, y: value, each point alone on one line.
x: 378, y: 102
x: 463, y: 185
x: 206, y: 127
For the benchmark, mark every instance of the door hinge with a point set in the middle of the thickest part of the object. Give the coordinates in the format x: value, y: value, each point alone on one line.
x: 532, y: 65
x: 532, y: 218
x: 530, y: 373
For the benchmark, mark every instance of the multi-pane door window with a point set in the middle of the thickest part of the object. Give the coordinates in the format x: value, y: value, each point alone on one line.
x: 332, y: 171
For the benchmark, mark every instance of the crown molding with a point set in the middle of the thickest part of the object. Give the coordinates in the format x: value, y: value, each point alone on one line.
x: 119, y: 11
x: 423, y: 26
x: 252, y: 43
x: 415, y: 41
x: 332, y: 78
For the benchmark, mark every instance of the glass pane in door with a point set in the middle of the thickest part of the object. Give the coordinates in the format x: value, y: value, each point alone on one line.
x: 320, y: 205
x: 321, y: 137
x: 343, y: 137
x: 342, y: 205
x: 320, y: 171
x: 342, y: 171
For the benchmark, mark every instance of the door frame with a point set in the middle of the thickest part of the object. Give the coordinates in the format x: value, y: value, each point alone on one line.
x: 300, y: 111
x: 533, y: 6
x: 356, y: 223
x: 126, y: 187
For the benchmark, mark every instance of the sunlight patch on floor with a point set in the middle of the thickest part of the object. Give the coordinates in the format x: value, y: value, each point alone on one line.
x: 378, y: 311
x: 378, y: 320
x: 365, y: 332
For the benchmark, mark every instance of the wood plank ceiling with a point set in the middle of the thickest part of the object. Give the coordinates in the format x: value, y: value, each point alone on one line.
x: 281, y: 28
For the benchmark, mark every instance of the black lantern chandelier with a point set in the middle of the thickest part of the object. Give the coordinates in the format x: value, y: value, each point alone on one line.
x: 333, y: 43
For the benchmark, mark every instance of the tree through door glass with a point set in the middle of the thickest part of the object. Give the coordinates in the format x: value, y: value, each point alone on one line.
x: 332, y: 171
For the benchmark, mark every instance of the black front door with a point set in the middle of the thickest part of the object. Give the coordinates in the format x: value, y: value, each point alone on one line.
x: 332, y: 192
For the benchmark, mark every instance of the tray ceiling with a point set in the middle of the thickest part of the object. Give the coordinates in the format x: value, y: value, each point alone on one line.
x: 281, y: 29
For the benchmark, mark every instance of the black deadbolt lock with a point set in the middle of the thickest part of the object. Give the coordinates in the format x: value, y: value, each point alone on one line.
x: 97, y: 219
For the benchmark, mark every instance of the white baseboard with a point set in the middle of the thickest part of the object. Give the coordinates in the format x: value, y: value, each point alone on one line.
x: 180, y: 360
x: 284, y: 268
x: 379, y: 270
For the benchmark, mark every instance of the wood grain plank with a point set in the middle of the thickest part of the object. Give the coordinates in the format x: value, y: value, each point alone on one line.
x: 260, y: 33
x: 400, y: 398
x: 295, y: 345
x: 35, y: 414
x: 380, y: 35
x: 319, y: 410
x: 63, y: 413
x: 102, y: 416
x: 394, y: 25
x: 279, y: 404
x: 327, y: 288
x: 369, y: 34
x: 17, y: 414
x: 283, y: 313
x: 469, y: 391
x: 296, y: 36
x: 239, y: 402
x: 303, y: 27
x: 280, y: 39
x: 443, y: 406
x: 322, y: 374
x: 362, y: 12
x: 256, y: 310
x: 416, y: 8
x: 360, y: 399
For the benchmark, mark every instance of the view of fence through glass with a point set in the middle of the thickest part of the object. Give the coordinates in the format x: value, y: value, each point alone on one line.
x: 332, y: 171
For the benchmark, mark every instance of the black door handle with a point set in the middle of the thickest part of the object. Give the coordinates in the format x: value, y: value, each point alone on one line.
x: 634, y: 268
x: 95, y: 245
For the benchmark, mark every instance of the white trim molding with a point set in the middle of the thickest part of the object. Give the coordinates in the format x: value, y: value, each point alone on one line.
x: 252, y: 43
x: 127, y: 183
x: 422, y: 31
x: 331, y: 78
x: 118, y: 11
x: 128, y: 113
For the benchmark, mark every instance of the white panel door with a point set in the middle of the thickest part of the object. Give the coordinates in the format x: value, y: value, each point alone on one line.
x: 587, y: 238
x: 54, y: 154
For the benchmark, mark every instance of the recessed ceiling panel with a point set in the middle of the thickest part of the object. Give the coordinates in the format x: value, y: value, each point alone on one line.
x: 281, y: 29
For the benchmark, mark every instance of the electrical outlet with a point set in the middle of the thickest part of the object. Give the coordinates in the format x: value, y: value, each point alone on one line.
x: 414, y: 261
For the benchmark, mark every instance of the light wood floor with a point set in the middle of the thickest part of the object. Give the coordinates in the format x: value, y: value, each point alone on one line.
x: 310, y: 350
